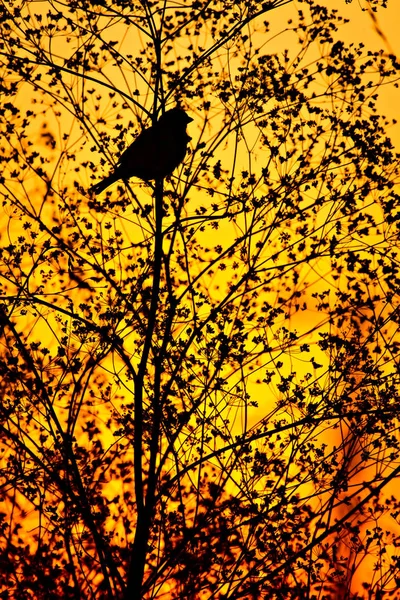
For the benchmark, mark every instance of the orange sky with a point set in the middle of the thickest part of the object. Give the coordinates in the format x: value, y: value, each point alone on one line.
x: 362, y: 27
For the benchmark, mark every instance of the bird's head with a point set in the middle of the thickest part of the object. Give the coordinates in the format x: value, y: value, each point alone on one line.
x: 175, y: 117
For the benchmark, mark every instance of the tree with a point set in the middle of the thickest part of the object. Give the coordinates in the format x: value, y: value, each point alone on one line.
x: 200, y: 376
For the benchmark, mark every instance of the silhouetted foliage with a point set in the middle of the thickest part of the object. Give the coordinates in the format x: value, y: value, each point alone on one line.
x: 199, y: 376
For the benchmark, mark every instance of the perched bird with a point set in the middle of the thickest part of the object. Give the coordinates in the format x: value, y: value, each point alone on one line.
x: 155, y: 153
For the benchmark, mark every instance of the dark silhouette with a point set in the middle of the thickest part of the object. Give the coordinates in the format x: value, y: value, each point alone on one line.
x: 199, y: 382
x: 155, y: 153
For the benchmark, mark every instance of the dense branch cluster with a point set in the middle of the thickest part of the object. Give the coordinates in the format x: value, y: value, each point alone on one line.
x: 199, y: 375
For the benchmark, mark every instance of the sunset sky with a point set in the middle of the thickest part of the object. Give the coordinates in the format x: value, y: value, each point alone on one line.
x: 241, y: 303
x: 364, y: 27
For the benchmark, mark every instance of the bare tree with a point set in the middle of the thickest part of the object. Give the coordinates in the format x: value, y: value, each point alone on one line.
x: 199, y: 374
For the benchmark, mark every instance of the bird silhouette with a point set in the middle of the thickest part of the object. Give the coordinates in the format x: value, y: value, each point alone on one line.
x: 155, y: 153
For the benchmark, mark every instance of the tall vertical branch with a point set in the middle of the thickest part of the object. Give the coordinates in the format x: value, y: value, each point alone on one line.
x: 144, y: 500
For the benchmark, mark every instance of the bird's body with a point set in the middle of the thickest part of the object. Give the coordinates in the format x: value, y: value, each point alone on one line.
x: 155, y: 153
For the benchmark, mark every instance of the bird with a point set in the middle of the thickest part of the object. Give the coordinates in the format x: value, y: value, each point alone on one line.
x: 155, y: 153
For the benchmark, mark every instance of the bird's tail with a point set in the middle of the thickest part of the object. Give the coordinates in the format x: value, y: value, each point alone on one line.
x: 97, y: 188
